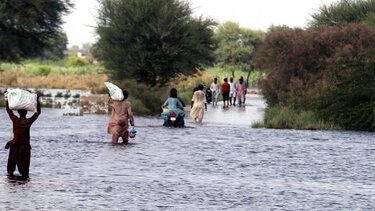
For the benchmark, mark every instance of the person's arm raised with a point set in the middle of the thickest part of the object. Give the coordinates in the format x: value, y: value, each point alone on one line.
x: 9, y: 111
x: 38, y: 110
x: 38, y: 106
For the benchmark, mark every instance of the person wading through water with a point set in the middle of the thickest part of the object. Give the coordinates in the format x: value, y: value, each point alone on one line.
x: 198, y: 105
x: 121, y: 116
x: 19, y: 146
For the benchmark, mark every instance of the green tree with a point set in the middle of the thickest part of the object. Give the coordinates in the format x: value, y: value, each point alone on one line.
x: 56, y: 48
x: 152, y: 40
x: 343, y: 12
x: 236, y: 46
x: 27, y: 27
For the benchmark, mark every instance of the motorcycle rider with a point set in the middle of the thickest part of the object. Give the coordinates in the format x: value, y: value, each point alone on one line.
x: 173, y: 104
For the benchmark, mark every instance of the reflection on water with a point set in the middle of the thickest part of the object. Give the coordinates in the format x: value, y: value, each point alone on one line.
x: 221, y: 165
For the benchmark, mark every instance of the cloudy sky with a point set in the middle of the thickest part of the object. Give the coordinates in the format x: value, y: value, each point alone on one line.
x: 255, y: 14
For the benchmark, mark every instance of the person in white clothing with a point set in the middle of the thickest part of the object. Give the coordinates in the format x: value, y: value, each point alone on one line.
x: 198, y: 105
x: 215, y: 90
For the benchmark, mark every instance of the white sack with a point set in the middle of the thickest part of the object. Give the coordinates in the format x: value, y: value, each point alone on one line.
x: 114, y: 91
x: 20, y: 99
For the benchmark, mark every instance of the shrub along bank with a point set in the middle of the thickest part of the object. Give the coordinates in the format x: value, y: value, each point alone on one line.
x: 327, y: 71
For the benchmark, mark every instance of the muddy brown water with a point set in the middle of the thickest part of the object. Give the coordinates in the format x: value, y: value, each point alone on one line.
x: 223, y: 164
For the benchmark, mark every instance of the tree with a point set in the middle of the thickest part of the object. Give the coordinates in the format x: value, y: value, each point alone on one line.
x: 27, y: 27
x: 152, y: 41
x: 343, y: 12
x: 56, y: 48
x: 236, y: 46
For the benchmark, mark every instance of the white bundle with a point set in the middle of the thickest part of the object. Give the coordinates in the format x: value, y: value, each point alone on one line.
x: 20, y: 99
x: 114, y: 91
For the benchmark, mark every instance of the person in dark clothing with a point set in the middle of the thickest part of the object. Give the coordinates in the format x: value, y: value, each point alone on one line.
x: 208, y: 95
x: 19, y: 147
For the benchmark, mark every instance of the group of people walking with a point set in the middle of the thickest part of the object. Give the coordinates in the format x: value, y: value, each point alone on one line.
x: 231, y: 91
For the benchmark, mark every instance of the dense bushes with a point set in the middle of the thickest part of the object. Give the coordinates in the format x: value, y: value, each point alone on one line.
x: 75, y: 61
x: 327, y: 70
x: 352, y: 101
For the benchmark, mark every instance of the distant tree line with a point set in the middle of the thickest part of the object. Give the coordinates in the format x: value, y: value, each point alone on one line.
x: 236, y: 47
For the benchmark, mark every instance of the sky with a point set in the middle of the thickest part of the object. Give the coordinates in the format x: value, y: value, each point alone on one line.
x: 254, y: 14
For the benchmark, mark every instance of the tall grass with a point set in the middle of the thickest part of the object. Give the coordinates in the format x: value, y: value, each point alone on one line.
x: 38, y: 68
x: 23, y: 79
x: 52, y: 74
x: 286, y: 118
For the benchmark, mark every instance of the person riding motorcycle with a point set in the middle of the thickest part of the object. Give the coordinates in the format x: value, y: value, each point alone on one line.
x: 173, y: 105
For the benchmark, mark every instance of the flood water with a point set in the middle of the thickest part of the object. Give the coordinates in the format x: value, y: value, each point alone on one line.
x: 223, y: 164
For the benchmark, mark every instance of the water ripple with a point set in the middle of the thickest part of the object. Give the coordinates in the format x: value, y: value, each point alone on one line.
x: 213, y: 167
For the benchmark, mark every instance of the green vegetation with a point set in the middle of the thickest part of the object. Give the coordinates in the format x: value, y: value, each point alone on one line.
x: 73, y: 66
x: 344, y: 12
x: 287, y: 118
x: 30, y: 28
x: 152, y: 41
x: 53, y: 75
x: 317, y: 78
x: 323, y: 76
x: 222, y: 73
x: 236, y: 47
x: 326, y: 70
x: 352, y: 101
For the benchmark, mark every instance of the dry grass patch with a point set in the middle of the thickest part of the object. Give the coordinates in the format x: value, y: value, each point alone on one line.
x: 22, y: 79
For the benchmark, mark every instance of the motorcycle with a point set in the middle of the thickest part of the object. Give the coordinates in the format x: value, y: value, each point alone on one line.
x: 174, y: 120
